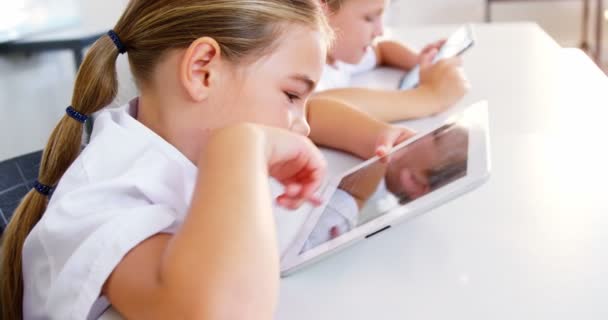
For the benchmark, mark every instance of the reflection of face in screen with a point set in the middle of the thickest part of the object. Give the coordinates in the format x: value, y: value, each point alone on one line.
x: 412, y: 171
x: 428, y: 163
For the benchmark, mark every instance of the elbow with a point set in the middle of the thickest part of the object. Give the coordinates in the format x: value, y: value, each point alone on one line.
x: 216, y: 301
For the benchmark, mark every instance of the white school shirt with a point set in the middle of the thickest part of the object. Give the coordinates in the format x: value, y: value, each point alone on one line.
x: 339, y: 74
x: 127, y: 185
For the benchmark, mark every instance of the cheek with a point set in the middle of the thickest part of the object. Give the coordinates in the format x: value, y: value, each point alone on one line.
x: 361, y: 32
x: 352, y: 52
x: 351, y: 32
x: 284, y: 117
x: 261, y: 107
x: 275, y: 112
x: 413, y: 183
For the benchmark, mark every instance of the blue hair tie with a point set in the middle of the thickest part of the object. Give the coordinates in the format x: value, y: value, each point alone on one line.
x: 76, y: 115
x: 42, y: 188
x: 116, y: 39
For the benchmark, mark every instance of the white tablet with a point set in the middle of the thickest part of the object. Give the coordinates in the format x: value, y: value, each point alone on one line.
x: 419, y: 174
x: 459, y: 42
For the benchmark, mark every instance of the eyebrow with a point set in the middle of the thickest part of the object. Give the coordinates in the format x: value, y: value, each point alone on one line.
x: 310, y: 85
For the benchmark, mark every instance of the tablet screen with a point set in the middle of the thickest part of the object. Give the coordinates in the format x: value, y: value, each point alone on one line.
x: 409, y: 173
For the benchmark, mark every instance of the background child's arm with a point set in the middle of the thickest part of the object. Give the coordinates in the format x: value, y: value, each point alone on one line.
x: 335, y: 124
x: 361, y: 185
x: 441, y: 86
x: 388, y: 105
x: 398, y: 55
x: 395, y: 54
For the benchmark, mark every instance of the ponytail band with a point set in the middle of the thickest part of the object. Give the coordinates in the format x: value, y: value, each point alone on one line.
x: 76, y: 115
x: 116, y: 39
x: 42, y: 188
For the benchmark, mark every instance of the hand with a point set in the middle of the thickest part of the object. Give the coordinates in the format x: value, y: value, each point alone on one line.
x: 445, y: 82
x: 435, y: 45
x: 390, y: 137
x: 296, y: 163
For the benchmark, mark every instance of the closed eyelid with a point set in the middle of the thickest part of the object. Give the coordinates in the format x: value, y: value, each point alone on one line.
x: 309, y: 85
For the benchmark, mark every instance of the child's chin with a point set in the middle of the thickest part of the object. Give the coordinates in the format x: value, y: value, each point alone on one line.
x: 354, y: 59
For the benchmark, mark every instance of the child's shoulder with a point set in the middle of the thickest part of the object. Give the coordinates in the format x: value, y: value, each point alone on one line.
x: 127, y: 162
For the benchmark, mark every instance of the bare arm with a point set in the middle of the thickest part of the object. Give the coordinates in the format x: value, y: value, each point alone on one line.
x: 223, y: 261
x: 396, y: 54
x: 388, y: 105
x: 361, y: 185
x: 336, y: 124
x: 441, y: 86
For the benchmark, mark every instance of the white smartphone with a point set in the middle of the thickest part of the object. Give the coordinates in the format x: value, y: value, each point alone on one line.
x: 459, y: 42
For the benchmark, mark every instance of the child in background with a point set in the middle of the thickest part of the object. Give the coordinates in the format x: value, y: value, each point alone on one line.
x: 357, y: 23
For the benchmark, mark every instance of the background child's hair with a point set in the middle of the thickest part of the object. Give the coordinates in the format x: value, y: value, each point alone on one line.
x: 244, y: 30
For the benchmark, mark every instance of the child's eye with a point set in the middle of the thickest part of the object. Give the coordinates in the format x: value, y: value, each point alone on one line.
x: 369, y: 18
x: 291, y: 97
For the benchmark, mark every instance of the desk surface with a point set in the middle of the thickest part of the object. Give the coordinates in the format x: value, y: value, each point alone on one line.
x: 532, y: 243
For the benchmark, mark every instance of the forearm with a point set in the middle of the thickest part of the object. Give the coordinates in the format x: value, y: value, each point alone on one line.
x: 361, y: 185
x: 387, y: 105
x: 396, y: 54
x: 335, y: 124
x: 225, y: 253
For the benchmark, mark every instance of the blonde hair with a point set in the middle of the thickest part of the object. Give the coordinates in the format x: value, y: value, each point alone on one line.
x: 148, y: 29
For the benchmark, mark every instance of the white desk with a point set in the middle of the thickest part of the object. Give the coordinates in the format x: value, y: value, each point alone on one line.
x: 532, y: 243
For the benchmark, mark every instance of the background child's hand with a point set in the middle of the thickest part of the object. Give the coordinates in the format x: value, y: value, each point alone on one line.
x: 433, y: 46
x: 295, y: 162
x: 390, y: 137
x: 444, y: 81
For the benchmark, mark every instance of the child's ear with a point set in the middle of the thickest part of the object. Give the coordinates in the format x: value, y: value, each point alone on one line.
x: 199, y: 67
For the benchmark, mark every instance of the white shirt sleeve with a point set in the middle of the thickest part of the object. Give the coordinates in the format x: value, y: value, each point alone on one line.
x: 339, y: 75
x: 85, y: 252
x: 126, y: 186
x: 367, y: 63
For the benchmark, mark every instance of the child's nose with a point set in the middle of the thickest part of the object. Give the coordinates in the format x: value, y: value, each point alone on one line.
x: 300, y: 126
x: 379, y: 30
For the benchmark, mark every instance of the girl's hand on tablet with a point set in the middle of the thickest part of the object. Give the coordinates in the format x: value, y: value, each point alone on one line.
x: 390, y: 137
